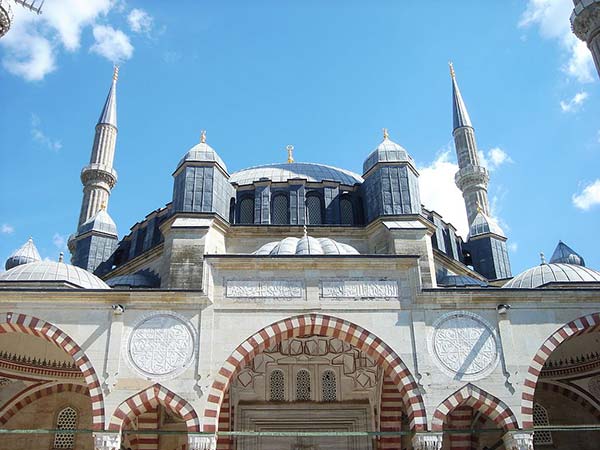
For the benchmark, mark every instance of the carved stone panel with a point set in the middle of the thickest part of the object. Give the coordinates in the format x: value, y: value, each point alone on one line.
x: 359, y: 289
x: 264, y: 289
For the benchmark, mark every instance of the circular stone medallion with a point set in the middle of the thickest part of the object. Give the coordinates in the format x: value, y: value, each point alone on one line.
x: 464, y: 345
x: 161, y: 345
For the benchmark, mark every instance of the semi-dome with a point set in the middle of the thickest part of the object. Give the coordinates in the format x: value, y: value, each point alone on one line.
x: 28, y: 253
x: 53, y: 272
x: 553, y: 273
x: 202, y: 152
x: 387, y: 151
x: 306, y: 245
x: 101, y: 222
x: 285, y: 171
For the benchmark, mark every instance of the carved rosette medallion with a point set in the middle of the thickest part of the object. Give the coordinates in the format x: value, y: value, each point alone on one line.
x: 464, y: 346
x: 161, y: 345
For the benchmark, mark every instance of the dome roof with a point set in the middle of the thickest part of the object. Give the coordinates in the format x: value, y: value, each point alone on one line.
x: 483, y: 224
x: 553, y: 273
x: 306, y: 245
x: 202, y: 152
x: 50, y: 271
x: 28, y: 253
x: 100, y: 222
x: 566, y: 255
x: 284, y: 171
x: 387, y: 151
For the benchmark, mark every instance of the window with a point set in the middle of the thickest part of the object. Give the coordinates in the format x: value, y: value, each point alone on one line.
x: 540, y: 418
x: 280, y: 210
x: 232, y: 210
x: 303, y: 385
x: 346, y: 211
x: 247, y: 210
x: 329, y: 386
x: 66, y: 420
x: 277, y: 386
x: 314, y: 210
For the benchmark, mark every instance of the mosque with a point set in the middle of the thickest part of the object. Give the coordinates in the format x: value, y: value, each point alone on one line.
x: 297, y: 306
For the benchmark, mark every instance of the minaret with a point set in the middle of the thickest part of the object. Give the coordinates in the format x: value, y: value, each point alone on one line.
x: 472, y: 178
x: 585, y: 21
x: 99, y: 177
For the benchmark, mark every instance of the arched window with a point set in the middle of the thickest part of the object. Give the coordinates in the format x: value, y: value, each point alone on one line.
x: 329, y: 386
x: 540, y: 418
x: 246, y: 210
x: 277, y: 386
x: 346, y: 211
x: 232, y: 210
x: 66, y: 420
x: 303, y: 385
x: 280, y: 211
x: 314, y: 209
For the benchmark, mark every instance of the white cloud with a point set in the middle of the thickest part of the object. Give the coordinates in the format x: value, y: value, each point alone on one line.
x: 113, y: 44
x: 31, y: 57
x: 494, y: 158
x: 40, y: 137
x: 7, y: 229
x: 513, y: 247
x: 59, y: 241
x: 588, y: 197
x: 552, y: 19
x: 139, y: 21
x: 575, y: 103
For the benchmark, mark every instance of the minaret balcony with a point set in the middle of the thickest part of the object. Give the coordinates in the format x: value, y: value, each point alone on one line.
x: 470, y: 176
x: 99, y: 172
x: 585, y: 19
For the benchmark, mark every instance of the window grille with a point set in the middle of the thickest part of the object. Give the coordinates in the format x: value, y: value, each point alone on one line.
x: 280, y: 214
x: 346, y: 211
x: 66, y: 420
x: 277, y: 386
x: 247, y: 210
x: 329, y: 386
x: 313, y: 210
x: 303, y: 385
x: 232, y: 210
x: 540, y: 418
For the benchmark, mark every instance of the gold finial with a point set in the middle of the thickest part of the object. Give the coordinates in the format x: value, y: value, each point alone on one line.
x: 452, y: 74
x: 479, y: 208
x: 385, y: 133
x: 102, y: 206
x: 290, y: 150
x: 203, y: 136
x: 116, y: 73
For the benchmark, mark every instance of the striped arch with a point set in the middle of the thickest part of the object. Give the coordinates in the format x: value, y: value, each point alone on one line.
x: 478, y: 399
x: 571, y: 395
x: 322, y: 325
x: 148, y: 400
x: 582, y: 325
x: 21, y: 323
x: 28, y: 396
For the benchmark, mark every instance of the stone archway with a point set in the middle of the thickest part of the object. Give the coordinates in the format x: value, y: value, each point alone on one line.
x: 22, y: 323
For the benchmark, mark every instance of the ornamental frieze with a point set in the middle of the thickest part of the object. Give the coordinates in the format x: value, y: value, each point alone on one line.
x: 359, y: 289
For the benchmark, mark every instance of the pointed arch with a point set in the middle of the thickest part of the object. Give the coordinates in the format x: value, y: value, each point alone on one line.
x: 581, y: 325
x: 322, y: 325
x: 148, y: 400
x: 22, y: 323
x: 478, y: 399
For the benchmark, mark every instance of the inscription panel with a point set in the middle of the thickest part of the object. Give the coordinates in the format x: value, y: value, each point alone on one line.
x: 264, y: 289
x: 366, y: 289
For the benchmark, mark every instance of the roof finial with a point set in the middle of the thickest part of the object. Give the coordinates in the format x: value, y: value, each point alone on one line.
x: 203, y: 137
x: 542, y: 258
x: 452, y: 74
x: 305, y: 231
x: 61, y: 257
x: 479, y: 208
x: 386, y: 135
x: 290, y: 150
x: 116, y: 73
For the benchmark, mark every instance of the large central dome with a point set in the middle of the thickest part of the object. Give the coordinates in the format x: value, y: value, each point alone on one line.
x: 285, y: 171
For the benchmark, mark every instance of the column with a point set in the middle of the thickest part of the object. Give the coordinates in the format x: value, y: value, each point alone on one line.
x: 107, y: 441
x: 202, y: 442
x: 427, y: 441
x: 518, y: 440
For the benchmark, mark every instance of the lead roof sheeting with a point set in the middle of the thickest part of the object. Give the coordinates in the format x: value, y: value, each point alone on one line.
x: 285, y: 171
x: 550, y: 273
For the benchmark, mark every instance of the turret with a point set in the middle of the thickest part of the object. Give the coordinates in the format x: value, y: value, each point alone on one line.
x: 585, y: 21
x: 26, y: 254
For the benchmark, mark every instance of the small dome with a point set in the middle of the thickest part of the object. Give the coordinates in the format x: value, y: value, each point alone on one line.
x: 387, y: 151
x: 306, y: 245
x: 28, y: 253
x: 50, y: 271
x: 483, y: 224
x: 553, y: 273
x: 101, y: 222
x: 137, y: 280
x: 566, y: 255
x: 279, y: 173
x: 202, y: 152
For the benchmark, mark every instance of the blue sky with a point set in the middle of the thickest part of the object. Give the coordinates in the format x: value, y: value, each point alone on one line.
x: 323, y: 76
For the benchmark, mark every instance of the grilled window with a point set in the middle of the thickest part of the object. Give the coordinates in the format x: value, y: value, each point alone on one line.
x: 314, y: 210
x: 303, y: 385
x: 540, y: 418
x: 277, y: 386
x: 280, y: 214
x: 66, y: 420
x: 329, y: 386
x: 247, y: 210
x: 346, y: 211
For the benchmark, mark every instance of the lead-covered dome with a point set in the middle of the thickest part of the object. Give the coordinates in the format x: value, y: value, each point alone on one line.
x: 202, y: 152
x: 306, y: 245
x: 285, y: 171
x: 28, y: 253
x: 52, y: 273
x: 553, y: 273
x: 387, y: 151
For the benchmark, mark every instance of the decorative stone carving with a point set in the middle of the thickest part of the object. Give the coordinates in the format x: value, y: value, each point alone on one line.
x: 464, y: 346
x: 199, y: 442
x: 518, y: 440
x: 161, y: 345
x: 264, y: 289
x: 5, y: 382
x: 362, y: 289
x: 594, y: 386
x: 107, y: 441
x: 587, y: 20
x: 427, y: 441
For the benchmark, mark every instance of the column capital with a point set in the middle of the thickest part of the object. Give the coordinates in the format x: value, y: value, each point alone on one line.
x: 518, y: 440
x: 104, y: 440
x: 202, y: 442
x: 427, y: 441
